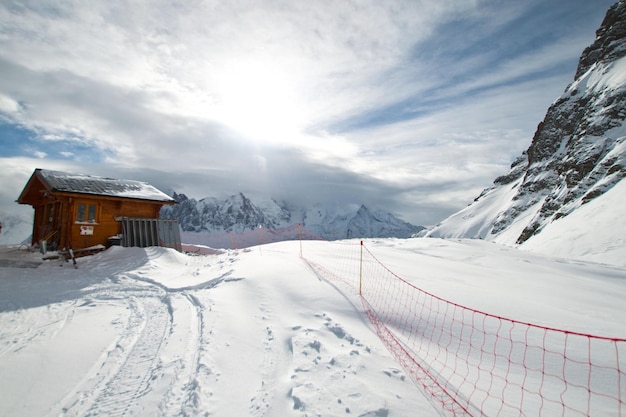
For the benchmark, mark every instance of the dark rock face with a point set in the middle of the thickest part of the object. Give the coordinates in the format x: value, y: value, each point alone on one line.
x: 609, y: 44
x: 579, y: 150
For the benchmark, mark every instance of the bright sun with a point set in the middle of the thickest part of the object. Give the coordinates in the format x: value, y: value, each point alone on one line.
x: 258, y: 100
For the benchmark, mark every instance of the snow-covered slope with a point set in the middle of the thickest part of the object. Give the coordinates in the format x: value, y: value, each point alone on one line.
x: 595, y: 232
x: 153, y: 332
x: 578, y: 153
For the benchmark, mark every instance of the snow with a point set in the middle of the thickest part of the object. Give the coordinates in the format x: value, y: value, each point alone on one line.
x: 476, y: 220
x: 90, y: 184
x: 257, y: 332
x: 593, y: 231
x: 605, y: 76
x: 236, y: 333
x: 601, y: 237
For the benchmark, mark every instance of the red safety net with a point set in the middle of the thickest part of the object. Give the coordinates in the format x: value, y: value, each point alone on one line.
x: 470, y: 362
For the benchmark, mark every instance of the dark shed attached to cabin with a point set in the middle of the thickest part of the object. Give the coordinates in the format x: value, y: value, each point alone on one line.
x: 81, y: 211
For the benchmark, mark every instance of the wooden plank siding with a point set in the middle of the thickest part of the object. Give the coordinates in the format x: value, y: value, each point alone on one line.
x: 105, y: 224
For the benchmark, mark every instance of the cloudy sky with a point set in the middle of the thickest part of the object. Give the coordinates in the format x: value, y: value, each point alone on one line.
x: 414, y: 106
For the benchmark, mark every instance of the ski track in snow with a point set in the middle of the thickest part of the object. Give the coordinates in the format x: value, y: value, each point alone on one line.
x: 131, y: 381
x: 155, y: 361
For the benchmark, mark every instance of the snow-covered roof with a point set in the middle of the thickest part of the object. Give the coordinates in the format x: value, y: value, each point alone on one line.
x: 88, y: 184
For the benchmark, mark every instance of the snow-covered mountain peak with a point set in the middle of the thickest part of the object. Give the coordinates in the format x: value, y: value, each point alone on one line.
x: 577, y: 153
x: 239, y: 213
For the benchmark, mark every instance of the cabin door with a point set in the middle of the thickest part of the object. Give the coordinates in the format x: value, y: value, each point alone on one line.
x: 51, y: 224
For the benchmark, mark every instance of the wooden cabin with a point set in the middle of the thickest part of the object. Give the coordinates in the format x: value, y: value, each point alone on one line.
x: 81, y: 211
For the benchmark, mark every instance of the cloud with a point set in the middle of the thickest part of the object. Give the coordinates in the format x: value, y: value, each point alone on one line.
x: 8, y: 105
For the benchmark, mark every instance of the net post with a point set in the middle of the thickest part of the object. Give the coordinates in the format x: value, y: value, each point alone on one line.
x: 300, y: 237
x: 361, y: 272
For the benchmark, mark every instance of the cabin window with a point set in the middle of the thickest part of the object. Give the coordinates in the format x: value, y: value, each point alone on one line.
x: 50, y: 212
x: 86, y: 212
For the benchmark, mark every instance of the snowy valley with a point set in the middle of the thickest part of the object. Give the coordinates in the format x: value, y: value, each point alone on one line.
x: 512, y: 306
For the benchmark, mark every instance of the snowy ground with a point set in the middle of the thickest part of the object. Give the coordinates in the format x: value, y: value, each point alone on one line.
x: 256, y: 332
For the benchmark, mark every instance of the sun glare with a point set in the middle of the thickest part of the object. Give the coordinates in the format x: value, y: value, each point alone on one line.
x: 258, y: 100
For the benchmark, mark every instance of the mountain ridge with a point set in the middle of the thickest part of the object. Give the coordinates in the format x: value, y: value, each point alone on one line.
x: 240, y: 213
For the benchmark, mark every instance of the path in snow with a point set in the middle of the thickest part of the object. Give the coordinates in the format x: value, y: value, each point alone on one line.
x: 150, y: 332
